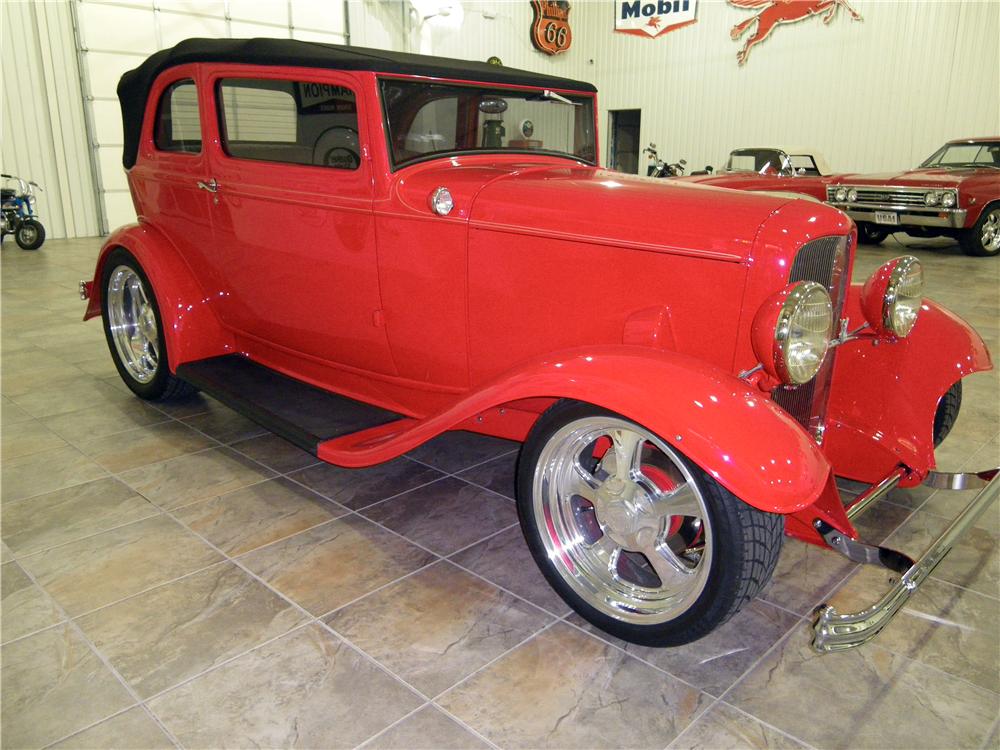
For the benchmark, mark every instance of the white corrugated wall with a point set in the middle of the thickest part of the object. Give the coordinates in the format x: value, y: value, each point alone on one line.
x: 43, y: 137
x: 878, y: 94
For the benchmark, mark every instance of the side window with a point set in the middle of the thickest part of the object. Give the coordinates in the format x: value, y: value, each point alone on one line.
x: 177, y: 125
x: 289, y: 121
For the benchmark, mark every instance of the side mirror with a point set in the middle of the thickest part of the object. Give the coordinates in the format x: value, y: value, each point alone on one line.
x: 709, y: 169
x: 800, y: 171
x: 683, y: 161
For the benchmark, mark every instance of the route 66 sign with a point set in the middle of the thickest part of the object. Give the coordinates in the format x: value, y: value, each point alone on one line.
x: 550, y: 32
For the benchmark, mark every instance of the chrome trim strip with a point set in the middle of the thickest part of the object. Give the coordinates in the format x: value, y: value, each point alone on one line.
x: 954, y: 220
x: 865, y: 500
x: 837, y: 632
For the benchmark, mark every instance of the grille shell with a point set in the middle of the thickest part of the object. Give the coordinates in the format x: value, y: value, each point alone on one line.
x: 825, y: 262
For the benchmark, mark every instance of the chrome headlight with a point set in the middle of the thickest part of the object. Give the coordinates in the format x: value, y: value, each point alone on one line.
x: 931, y: 199
x: 852, y: 195
x: 791, y: 332
x: 891, y: 298
x: 841, y: 194
x: 948, y: 200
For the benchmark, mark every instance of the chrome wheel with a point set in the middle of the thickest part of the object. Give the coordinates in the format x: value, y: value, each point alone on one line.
x: 622, y: 520
x: 990, y: 234
x: 132, y: 324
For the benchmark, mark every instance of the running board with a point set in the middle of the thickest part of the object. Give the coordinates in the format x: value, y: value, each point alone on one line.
x: 301, y: 413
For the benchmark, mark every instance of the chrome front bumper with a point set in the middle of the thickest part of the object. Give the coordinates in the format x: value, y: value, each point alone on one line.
x: 837, y: 632
x: 908, y: 216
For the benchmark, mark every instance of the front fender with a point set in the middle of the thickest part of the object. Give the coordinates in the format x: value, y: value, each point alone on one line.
x: 191, y: 328
x: 732, y: 431
x: 884, y: 395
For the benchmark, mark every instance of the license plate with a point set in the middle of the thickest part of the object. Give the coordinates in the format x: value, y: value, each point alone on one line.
x: 887, y: 217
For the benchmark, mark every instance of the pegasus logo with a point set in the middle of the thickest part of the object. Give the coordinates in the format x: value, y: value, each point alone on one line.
x: 781, y: 11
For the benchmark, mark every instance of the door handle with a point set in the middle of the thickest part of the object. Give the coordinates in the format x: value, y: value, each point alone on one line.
x: 211, y: 186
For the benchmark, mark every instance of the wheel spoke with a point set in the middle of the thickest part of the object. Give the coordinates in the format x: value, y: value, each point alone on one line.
x: 670, y: 569
x: 680, y: 501
x: 627, y: 447
x: 607, y: 551
x: 583, y: 483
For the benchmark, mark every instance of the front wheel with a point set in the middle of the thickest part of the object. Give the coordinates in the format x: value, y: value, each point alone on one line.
x: 869, y: 234
x: 633, y: 536
x: 983, y: 239
x: 133, y: 328
x: 30, y: 235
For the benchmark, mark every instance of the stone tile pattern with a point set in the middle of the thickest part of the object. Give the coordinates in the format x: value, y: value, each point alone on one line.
x: 174, y: 576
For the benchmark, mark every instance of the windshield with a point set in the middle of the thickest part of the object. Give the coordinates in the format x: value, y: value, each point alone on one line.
x: 757, y: 160
x: 985, y: 154
x: 432, y: 119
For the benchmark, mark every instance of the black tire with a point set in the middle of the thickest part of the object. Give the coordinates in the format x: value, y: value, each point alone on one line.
x: 947, y: 412
x: 971, y: 239
x: 163, y: 386
x: 30, y: 235
x: 747, y: 543
x: 869, y: 234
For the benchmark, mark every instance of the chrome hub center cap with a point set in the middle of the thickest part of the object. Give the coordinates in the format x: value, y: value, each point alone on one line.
x: 625, y: 513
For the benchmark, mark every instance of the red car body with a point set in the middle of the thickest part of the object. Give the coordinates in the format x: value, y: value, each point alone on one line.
x: 896, y: 201
x: 548, y: 280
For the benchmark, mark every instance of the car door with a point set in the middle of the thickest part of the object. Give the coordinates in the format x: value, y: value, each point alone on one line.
x: 293, y: 220
x: 171, y: 162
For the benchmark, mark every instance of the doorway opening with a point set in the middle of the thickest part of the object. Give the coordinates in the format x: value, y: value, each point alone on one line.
x: 623, y: 152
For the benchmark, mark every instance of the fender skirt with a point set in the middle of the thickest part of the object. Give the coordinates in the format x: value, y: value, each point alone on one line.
x: 190, y: 326
x: 752, y: 447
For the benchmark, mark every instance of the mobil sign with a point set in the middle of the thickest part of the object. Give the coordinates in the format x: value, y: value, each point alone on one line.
x: 653, y: 17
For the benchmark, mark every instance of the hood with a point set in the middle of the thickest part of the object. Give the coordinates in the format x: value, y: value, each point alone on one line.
x: 931, y: 177
x: 597, y: 205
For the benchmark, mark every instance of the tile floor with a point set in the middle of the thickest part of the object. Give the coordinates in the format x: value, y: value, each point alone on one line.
x: 174, y: 575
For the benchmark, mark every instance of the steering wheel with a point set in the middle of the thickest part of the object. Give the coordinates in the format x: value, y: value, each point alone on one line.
x: 337, y: 147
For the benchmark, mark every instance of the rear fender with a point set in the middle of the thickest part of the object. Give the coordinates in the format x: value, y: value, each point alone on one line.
x: 884, y: 393
x: 191, y: 327
x: 734, y: 432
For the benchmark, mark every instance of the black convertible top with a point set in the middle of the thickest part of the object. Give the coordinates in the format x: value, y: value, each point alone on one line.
x: 133, y: 89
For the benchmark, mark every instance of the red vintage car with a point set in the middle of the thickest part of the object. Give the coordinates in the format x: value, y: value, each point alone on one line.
x: 355, y: 248
x: 954, y: 193
x: 798, y: 171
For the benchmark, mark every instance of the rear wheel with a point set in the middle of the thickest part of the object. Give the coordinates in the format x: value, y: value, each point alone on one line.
x: 636, y: 538
x: 983, y: 239
x: 869, y: 234
x: 30, y: 235
x: 134, y: 330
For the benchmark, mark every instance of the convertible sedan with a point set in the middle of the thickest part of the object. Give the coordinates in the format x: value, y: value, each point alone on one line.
x: 795, y: 171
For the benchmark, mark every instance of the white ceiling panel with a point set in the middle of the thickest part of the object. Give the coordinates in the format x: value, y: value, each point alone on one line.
x: 109, y: 161
x: 105, y: 68
x: 119, y: 209
x: 203, y: 7
x: 107, y: 122
x: 261, y: 11
x: 175, y: 27
x: 109, y: 27
x: 319, y: 15
x: 317, y: 36
x: 243, y: 29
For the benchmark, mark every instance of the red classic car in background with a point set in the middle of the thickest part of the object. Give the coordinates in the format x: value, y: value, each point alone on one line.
x: 954, y: 193
x: 685, y: 390
x: 783, y: 170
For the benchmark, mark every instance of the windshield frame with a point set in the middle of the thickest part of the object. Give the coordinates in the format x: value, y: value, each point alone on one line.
x: 491, y: 88
x: 934, y: 160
